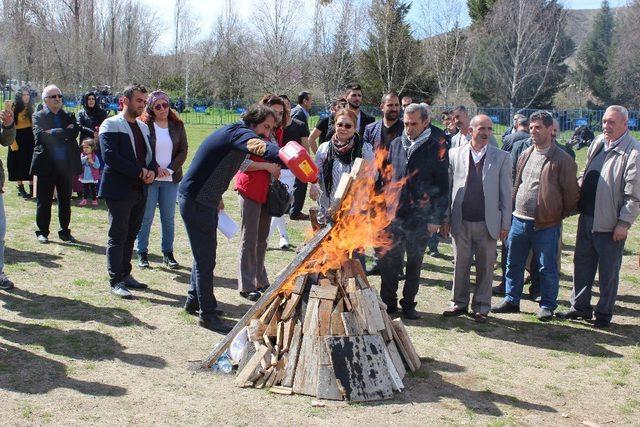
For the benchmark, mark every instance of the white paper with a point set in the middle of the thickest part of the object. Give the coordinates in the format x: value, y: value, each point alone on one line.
x: 226, y: 225
x: 168, y: 178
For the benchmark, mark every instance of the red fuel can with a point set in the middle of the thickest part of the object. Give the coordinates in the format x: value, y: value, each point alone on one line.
x: 298, y: 160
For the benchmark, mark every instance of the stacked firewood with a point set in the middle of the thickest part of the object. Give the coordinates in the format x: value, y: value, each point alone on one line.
x: 327, y: 336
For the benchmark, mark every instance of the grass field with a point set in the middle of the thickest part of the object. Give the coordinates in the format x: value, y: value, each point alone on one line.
x: 72, y: 354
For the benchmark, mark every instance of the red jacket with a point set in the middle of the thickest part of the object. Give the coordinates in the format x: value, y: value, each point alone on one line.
x: 254, y: 185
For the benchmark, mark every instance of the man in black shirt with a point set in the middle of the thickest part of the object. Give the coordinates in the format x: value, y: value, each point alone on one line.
x: 381, y: 133
x: 354, y: 98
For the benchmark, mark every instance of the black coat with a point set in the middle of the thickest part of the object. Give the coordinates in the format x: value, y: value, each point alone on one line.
x: 43, y: 162
x: 90, y: 120
x: 424, y: 196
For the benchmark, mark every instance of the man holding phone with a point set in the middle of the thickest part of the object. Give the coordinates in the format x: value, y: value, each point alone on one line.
x: 7, y: 136
x: 56, y: 160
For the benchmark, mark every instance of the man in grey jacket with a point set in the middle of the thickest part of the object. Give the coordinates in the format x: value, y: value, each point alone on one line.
x: 7, y: 136
x: 480, y: 214
x: 609, y: 204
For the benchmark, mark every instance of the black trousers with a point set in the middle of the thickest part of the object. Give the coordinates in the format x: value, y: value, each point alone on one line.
x: 412, y: 242
x: 125, y: 218
x: 201, y: 223
x: 299, y: 194
x: 45, y: 186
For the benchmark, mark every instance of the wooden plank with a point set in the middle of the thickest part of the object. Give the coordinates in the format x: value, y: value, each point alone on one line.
x: 280, y: 334
x: 351, y: 324
x: 337, y: 327
x: 357, y: 168
x: 280, y: 368
x: 327, y: 385
x: 368, y: 301
x: 292, y: 355
x: 271, y: 293
x: 353, y: 356
x: 281, y: 390
x: 323, y: 292
x: 299, y: 283
x: 255, y: 330
x: 324, y: 316
x: 310, y: 324
x: 290, y: 307
x: 352, y: 285
x: 387, y: 332
x: 341, y: 192
x: 265, y: 318
x: 325, y: 281
x: 397, y: 360
x: 263, y: 380
x: 405, y: 345
x: 272, y: 329
x: 287, y: 334
x: 396, y: 381
x: 252, y: 365
x: 306, y: 377
x: 272, y: 377
x: 360, y: 309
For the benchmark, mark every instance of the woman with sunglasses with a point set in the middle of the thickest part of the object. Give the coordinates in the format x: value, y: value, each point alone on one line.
x: 168, y: 132
x: 336, y: 156
x: 21, y: 150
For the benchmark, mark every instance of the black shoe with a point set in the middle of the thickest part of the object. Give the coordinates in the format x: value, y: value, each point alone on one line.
x: 544, y: 314
x: 299, y: 216
x: 21, y: 192
x: 43, y: 239
x: 251, y: 295
x: 120, y: 290
x: 5, y: 283
x: 373, y: 271
x: 263, y: 289
x: 214, y: 323
x: 498, y: 290
x: 435, y: 253
x: 143, y: 260
x: 574, y: 314
x: 601, y: 323
x: 132, y: 283
x: 169, y: 260
x: 455, y: 311
x: 192, y: 307
x: 402, y: 276
x: 392, y: 309
x: 67, y: 237
x: 410, y: 314
x: 505, y: 306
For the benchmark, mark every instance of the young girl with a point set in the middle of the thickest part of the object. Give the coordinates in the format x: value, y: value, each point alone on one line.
x: 90, y: 173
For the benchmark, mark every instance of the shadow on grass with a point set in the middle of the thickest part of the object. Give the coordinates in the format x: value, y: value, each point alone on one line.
x: 40, y: 375
x: 80, y: 344
x: 177, y: 300
x: 427, y: 385
x: 34, y: 306
x: 558, y: 336
x: 218, y: 282
x: 15, y: 256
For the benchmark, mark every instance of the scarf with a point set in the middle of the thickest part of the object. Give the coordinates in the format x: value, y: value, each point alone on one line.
x: 344, y: 153
x: 411, y: 146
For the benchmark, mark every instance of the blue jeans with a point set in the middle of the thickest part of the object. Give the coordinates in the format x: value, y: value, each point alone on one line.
x: 544, y: 243
x: 163, y: 193
x: 3, y: 231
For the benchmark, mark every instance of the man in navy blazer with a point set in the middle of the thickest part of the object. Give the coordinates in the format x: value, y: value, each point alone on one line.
x: 127, y: 149
x: 380, y: 134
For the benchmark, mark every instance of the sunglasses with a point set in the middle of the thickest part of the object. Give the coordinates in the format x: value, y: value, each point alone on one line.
x: 55, y: 96
x: 162, y: 106
x: 344, y: 125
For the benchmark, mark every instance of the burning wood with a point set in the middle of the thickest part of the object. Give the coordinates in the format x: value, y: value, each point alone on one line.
x: 321, y: 325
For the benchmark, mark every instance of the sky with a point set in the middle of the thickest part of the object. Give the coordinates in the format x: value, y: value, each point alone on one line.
x: 208, y: 11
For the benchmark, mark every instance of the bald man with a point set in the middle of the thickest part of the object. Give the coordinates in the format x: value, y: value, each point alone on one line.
x: 479, y: 215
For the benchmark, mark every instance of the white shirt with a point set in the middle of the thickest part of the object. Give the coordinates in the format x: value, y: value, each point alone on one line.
x: 477, y: 155
x: 164, y: 149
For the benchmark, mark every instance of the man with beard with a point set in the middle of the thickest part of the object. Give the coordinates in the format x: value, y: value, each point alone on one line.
x: 461, y: 120
x: 354, y: 99
x: 381, y: 133
x: 420, y: 158
x: 126, y: 146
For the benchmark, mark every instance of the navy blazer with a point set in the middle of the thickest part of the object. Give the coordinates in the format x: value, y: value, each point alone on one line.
x: 121, y: 176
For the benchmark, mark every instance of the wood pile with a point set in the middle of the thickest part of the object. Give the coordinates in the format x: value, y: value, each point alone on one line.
x: 330, y: 337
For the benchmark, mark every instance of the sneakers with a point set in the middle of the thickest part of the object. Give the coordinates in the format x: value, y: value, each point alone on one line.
x: 505, y: 306
x: 544, y: 314
x: 132, y: 283
x: 120, y: 290
x: 143, y: 260
x: 94, y: 202
x: 5, y: 283
x: 284, y: 243
x: 83, y: 202
x: 169, y: 260
x: 43, y: 239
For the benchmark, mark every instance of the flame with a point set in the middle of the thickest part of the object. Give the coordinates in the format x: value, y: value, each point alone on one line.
x: 361, y: 221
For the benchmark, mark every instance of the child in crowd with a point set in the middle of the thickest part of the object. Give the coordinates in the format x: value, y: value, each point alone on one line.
x: 90, y: 172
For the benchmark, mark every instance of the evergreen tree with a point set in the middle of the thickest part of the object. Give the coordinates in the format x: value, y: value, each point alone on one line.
x: 478, y: 9
x: 595, y: 54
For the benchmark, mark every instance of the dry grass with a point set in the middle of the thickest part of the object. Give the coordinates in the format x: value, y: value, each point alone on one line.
x: 71, y: 354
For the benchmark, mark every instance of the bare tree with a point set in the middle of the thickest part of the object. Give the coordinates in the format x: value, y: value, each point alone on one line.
x: 624, y: 71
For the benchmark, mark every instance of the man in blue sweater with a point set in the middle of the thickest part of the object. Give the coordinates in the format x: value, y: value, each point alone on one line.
x: 200, y: 197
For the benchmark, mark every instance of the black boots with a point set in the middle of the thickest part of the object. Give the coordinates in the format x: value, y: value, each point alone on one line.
x: 22, y: 192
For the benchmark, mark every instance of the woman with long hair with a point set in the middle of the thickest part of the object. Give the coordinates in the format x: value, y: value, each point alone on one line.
x: 252, y: 185
x: 21, y: 151
x: 170, y: 152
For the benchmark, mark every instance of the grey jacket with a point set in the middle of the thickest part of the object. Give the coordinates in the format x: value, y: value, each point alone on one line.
x: 618, y: 191
x: 458, y: 140
x: 7, y: 136
x: 496, y: 184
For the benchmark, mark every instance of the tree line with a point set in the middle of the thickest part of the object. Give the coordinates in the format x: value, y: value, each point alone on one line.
x: 513, y: 54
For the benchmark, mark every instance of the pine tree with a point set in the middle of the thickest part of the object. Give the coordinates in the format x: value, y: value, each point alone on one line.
x: 595, y: 54
x: 478, y: 9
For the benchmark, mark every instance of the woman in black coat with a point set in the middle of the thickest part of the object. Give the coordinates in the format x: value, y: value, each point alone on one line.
x: 90, y: 117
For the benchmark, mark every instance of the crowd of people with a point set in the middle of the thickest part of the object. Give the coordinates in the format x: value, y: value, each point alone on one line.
x: 456, y: 181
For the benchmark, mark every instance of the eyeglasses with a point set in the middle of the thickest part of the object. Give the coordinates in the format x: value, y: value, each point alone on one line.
x: 344, y: 125
x: 55, y: 96
x: 162, y: 106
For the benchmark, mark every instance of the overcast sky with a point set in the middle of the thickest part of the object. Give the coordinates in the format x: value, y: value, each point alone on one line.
x: 208, y: 11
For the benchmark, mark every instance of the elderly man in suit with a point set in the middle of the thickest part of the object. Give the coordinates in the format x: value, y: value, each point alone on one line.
x: 480, y: 214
